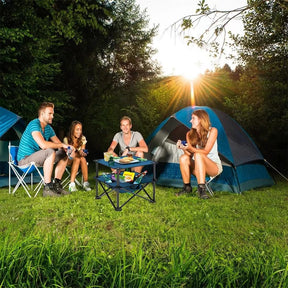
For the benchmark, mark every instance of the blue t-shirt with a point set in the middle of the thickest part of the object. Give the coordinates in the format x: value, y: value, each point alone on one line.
x: 27, y: 144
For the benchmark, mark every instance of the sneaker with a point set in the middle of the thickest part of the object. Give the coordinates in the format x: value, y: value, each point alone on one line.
x: 57, y: 187
x: 203, y: 195
x: 48, y: 191
x: 185, y: 190
x: 86, y: 186
x: 72, y: 187
x: 202, y: 192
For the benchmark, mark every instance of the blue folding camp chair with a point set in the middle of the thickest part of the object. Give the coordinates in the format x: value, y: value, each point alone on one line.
x: 22, y: 172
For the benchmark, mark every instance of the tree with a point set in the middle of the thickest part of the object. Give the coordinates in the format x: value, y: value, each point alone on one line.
x: 123, y: 62
x: 37, y: 37
x: 264, y: 82
x: 261, y: 82
x: 78, y: 54
x: 214, y: 33
x: 27, y: 67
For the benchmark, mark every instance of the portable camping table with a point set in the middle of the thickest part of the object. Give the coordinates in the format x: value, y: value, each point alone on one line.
x: 120, y: 187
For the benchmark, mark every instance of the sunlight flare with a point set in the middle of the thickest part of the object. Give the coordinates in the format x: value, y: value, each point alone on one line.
x: 190, y: 71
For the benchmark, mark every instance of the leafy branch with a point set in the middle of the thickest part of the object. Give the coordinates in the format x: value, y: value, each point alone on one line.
x: 208, y: 28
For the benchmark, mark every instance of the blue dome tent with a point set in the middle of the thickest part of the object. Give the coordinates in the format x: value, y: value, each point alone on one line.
x: 11, y: 129
x: 243, y: 164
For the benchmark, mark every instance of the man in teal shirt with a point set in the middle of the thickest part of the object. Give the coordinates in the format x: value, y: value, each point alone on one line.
x: 40, y: 144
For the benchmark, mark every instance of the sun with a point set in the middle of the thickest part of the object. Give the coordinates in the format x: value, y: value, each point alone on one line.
x: 190, y: 66
x: 180, y: 60
x: 186, y: 63
x: 190, y: 71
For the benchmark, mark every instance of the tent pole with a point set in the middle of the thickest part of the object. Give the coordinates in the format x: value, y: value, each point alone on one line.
x: 236, y: 176
x: 276, y: 169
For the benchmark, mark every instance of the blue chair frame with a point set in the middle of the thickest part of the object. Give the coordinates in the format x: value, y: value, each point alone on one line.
x: 21, y: 172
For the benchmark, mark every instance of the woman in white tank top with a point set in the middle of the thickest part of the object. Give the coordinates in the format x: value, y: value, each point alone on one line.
x: 200, y: 156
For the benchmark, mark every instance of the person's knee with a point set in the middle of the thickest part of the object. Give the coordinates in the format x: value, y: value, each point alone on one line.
x: 139, y: 154
x: 61, y: 155
x: 83, y: 160
x: 184, y: 159
x: 198, y: 157
x: 50, y: 153
x: 76, y: 161
x: 48, y: 158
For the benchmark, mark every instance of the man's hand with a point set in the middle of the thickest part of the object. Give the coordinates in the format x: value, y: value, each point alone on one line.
x: 65, y: 147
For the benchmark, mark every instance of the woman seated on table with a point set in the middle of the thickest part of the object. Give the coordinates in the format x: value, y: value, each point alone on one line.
x: 131, y: 143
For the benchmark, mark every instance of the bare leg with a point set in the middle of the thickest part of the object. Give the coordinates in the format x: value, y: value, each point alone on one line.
x: 60, y: 168
x: 139, y: 169
x: 186, y: 167
x: 48, y: 167
x: 204, y: 166
x: 200, y: 169
x: 84, y: 168
x: 74, y: 168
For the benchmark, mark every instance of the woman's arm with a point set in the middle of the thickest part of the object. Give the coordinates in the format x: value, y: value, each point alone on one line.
x: 184, y: 147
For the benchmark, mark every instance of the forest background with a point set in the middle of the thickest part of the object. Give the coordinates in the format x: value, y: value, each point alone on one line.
x: 93, y: 60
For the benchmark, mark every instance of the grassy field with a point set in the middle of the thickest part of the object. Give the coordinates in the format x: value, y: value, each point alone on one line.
x: 77, y: 241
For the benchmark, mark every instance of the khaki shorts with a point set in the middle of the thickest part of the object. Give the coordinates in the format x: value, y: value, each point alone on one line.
x: 220, y: 168
x: 40, y: 156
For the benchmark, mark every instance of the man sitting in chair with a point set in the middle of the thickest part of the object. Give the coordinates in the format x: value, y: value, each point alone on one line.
x: 40, y: 144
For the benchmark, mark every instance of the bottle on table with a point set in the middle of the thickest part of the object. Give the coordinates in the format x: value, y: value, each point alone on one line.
x: 138, y: 178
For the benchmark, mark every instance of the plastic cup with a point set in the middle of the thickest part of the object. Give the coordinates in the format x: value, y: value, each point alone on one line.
x: 107, y: 156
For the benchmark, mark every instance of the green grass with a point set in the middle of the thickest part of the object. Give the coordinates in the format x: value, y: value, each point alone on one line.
x: 77, y: 241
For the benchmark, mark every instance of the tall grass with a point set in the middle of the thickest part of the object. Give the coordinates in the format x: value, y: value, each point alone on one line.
x: 78, y: 241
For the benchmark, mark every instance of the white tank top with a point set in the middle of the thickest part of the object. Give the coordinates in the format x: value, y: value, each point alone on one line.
x: 213, y: 154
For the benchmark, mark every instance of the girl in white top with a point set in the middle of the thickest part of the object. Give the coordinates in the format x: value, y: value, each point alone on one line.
x: 200, y: 156
x: 78, y: 141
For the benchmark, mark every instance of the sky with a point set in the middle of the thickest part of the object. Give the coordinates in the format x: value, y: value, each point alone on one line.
x: 175, y: 57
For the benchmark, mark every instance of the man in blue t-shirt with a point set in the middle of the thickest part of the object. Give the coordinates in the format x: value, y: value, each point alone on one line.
x: 40, y: 144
